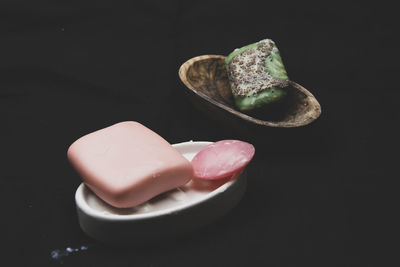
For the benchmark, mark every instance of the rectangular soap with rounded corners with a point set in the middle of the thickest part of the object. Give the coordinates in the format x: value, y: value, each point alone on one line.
x: 127, y: 164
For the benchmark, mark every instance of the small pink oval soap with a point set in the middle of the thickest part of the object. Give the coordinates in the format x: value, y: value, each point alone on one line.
x: 222, y: 159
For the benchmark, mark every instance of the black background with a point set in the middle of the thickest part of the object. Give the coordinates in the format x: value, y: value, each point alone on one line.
x: 320, y: 196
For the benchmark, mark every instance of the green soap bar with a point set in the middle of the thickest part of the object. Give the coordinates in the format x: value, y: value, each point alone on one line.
x: 273, y: 94
x: 236, y: 52
x: 275, y: 68
x: 274, y: 65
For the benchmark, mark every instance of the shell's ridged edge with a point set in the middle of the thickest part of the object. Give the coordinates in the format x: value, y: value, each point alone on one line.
x: 310, y: 116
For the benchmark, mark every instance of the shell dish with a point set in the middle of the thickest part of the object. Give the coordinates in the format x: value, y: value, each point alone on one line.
x: 207, y: 78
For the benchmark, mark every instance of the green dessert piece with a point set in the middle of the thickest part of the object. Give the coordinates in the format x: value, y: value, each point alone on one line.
x: 257, y: 75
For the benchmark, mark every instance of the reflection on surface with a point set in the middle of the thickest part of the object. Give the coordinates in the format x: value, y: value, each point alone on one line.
x: 59, y: 254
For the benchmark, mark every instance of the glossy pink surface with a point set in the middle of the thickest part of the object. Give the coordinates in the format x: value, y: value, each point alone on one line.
x: 222, y: 159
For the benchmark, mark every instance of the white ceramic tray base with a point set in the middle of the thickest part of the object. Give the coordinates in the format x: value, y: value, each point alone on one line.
x: 171, y: 213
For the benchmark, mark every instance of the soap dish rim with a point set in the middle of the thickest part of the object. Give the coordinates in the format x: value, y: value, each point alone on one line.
x: 84, y: 207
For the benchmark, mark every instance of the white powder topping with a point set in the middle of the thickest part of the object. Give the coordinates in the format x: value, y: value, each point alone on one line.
x: 247, y: 72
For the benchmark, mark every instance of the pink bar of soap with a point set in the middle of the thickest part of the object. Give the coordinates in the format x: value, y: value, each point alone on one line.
x: 127, y: 164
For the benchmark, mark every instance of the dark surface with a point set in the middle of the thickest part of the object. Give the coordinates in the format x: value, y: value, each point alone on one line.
x: 317, y: 196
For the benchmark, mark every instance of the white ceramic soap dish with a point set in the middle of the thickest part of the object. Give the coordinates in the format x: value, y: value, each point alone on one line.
x: 172, y: 213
